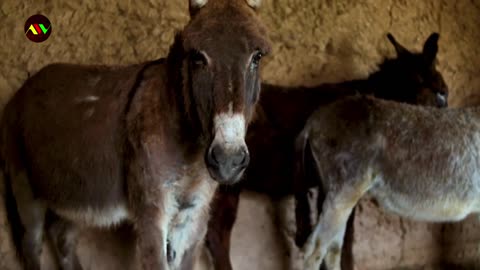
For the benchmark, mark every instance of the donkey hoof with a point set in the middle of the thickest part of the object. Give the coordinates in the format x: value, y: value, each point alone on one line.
x: 307, y: 250
x: 311, y: 266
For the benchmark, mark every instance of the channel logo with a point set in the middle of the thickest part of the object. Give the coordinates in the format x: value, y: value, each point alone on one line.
x: 38, y: 28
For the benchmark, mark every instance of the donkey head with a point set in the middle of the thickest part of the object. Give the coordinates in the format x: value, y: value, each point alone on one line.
x: 412, y: 77
x: 221, y: 49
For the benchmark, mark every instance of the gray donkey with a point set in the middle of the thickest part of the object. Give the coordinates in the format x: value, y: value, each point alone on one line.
x: 422, y: 163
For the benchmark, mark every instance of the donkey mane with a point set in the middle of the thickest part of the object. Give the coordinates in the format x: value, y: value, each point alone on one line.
x: 193, y: 128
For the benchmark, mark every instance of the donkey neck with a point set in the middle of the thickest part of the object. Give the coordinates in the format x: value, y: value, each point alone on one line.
x: 157, y: 110
x: 364, y: 86
x: 189, y: 126
x: 287, y: 108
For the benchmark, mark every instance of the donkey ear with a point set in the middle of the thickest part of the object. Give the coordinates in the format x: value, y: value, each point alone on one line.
x: 254, y: 3
x: 398, y: 47
x: 195, y: 5
x: 430, y: 48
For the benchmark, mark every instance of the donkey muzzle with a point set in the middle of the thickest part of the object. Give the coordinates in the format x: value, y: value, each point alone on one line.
x: 441, y: 100
x: 227, y: 157
x: 226, y: 166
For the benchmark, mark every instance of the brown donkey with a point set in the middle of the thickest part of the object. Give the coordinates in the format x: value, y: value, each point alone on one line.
x: 97, y: 145
x: 281, y: 115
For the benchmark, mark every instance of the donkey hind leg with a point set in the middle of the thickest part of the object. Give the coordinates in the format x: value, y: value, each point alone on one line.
x: 63, y: 236
x: 334, y: 252
x: 347, y: 246
x: 32, y: 216
x: 331, y: 224
x: 343, y: 255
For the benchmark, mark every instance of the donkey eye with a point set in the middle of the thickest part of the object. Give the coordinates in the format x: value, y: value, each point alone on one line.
x: 418, y: 79
x: 256, y: 58
x: 197, y: 59
x: 441, y: 93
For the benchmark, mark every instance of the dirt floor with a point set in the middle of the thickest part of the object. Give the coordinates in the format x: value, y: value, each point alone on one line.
x: 314, y: 42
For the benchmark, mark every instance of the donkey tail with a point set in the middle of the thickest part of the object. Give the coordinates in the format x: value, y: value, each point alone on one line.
x: 302, y: 182
x: 13, y: 217
x: 301, y: 144
x: 306, y: 176
x: 306, y: 171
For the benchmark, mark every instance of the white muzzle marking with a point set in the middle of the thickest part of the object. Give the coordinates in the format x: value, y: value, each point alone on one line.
x: 229, y: 131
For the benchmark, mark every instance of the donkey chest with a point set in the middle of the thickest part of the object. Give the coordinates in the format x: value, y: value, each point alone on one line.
x: 188, y: 210
x: 191, y: 195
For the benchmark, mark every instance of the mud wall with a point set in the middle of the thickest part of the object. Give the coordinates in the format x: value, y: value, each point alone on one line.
x: 314, y: 42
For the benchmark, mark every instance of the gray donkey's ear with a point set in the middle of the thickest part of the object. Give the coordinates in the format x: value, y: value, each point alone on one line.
x: 254, y: 3
x: 430, y: 48
x: 195, y: 5
x: 398, y: 47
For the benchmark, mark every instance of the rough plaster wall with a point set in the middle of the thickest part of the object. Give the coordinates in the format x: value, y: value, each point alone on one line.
x: 314, y: 42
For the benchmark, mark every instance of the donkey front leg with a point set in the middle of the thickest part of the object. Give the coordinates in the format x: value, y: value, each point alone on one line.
x: 223, y: 215
x: 189, y: 258
x: 63, y: 236
x: 151, y: 239
x: 191, y: 254
x: 31, y: 214
x: 150, y: 203
x: 302, y: 218
x: 330, y: 228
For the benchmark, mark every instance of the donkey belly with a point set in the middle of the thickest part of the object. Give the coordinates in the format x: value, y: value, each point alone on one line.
x: 78, y: 167
x: 88, y: 190
x: 73, y: 140
x: 95, y: 216
x: 419, y: 206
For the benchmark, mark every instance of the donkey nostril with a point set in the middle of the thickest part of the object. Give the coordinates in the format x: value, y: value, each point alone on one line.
x: 242, y: 159
x: 171, y: 254
x: 216, y: 155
